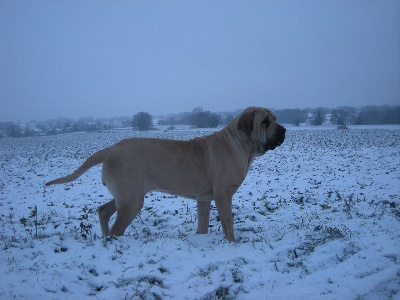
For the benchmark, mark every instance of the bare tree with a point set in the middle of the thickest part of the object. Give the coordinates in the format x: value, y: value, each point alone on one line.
x: 339, y: 117
x: 204, y: 119
x: 291, y: 116
x: 142, y: 121
x: 318, y: 117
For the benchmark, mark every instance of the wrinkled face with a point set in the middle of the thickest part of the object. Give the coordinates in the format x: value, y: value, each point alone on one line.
x: 261, y: 127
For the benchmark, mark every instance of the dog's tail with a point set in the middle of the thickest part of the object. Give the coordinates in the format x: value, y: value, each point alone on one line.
x: 92, y: 161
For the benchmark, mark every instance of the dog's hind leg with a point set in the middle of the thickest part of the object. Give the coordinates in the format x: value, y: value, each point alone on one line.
x: 105, y: 212
x: 125, y: 215
x: 203, y: 216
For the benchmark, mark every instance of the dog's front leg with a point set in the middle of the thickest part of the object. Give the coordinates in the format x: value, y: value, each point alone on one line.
x: 224, y: 207
x: 203, y: 216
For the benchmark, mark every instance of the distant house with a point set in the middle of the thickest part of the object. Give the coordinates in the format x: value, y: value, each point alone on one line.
x: 36, y: 131
x: 30, y: 129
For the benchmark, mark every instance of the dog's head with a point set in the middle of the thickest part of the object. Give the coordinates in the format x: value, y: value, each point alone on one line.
x: 260, y: 126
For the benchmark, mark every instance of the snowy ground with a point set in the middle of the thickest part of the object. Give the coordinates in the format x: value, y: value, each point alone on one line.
x: 318, y: 218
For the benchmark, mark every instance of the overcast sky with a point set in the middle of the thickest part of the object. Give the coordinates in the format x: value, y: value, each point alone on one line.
x: 116, y: 58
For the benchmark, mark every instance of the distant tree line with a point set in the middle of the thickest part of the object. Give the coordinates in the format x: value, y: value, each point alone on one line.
x: 291, y: 116
x: 345, y: 115
x: 60, y: 126
x: 368, y: 115
x: 200, y: 118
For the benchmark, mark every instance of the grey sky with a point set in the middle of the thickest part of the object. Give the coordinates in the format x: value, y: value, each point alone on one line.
x: 116, y: 58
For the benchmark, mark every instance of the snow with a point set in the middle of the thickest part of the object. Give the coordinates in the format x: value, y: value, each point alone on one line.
x: 317, y: 218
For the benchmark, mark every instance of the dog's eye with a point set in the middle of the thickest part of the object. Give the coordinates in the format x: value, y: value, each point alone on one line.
x: 265, y: 121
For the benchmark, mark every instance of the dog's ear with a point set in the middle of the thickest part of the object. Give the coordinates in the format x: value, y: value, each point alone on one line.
x: 245, y: 122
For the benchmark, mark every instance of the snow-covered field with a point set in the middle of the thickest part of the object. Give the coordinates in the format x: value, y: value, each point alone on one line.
x: 318, y: 218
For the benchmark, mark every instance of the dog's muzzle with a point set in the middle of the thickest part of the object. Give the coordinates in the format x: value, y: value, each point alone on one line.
x: 278, y: 138
x: 281, y: 134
